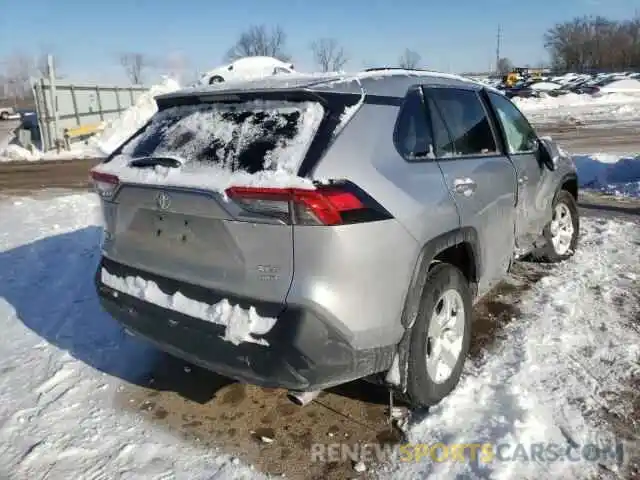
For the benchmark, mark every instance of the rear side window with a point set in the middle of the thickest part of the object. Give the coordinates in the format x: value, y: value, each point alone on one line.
x: 466, y: 122
x: 250, y: 136
x: 444, y: 146
x: 412, y: 134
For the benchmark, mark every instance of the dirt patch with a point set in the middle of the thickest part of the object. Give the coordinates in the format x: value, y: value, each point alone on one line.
x: 21, y: 178
x: 260, y: 426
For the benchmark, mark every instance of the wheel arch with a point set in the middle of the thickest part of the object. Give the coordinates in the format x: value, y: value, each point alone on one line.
x: 463, y: 241
x: 569, y: 182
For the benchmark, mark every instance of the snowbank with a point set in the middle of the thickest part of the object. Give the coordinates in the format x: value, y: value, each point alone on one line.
x: 574, y: 108
x: 16, y: 153
x: 609, y: 174
x: 627, y: 85
x: 121, y: 128
x: 546, y: 102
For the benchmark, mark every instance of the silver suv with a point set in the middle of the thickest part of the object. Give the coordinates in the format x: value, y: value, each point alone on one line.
x: 409, y: 196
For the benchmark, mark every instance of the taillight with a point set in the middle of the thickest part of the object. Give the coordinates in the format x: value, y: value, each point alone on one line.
x: 325, y: 205
x: 104, y: 184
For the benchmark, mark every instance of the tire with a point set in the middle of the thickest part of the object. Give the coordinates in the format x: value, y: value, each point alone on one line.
x: 427, y: 386
x: 4, y: 116
x: 554, y: 249
x: 215, y: 80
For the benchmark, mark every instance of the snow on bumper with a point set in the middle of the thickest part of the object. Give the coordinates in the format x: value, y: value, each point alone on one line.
x: 240, y: 324
x: 305, y: 349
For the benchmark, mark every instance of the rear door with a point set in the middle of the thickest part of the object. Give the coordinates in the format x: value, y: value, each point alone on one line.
x: 521, y: 143
x: 170, y: 215
x: 481, y: 179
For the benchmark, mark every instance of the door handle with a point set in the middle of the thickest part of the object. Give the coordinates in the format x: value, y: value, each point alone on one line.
x: 465, y: 186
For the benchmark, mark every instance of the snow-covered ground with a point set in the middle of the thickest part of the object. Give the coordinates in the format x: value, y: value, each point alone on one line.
x: 62, y: 361
x: 575, y: 344
x: 573, y: 108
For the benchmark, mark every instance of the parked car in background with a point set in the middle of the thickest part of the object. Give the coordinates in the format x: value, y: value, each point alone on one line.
x: 245, y: 68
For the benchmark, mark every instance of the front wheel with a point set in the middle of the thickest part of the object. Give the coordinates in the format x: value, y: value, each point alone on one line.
x: 561, y: 234
x: 440, y: 337
x: 4, y: 116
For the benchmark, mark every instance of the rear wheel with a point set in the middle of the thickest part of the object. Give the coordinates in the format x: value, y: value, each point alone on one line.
x: 4, y: 116
x: 561, y: 234
x: 215, y: 80
x: 440, y: 337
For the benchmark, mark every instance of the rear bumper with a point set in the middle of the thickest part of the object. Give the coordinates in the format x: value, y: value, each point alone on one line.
x: 304, y: 352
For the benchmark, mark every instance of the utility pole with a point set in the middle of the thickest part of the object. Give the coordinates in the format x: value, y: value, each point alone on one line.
x: 498, y: 40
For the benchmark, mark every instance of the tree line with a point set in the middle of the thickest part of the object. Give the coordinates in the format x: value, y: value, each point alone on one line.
x: 587, y: 44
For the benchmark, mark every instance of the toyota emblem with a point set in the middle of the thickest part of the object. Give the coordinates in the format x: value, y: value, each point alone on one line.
x: 163, y: 200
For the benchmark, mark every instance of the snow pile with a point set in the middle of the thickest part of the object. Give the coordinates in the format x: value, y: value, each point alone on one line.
x: 575, y: 108
x: 627, y: 85
x: 13, y: 152
x: 240, y: 324
x: 120, y: 129
x: 211, y: 141
x: 609, y: 174
x: 574, y: 100
x: 16, y: 153
x: 63, y: 361
x: 574, y: 345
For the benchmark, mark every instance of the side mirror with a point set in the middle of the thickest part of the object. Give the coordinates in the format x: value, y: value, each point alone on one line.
x: 548, y: 152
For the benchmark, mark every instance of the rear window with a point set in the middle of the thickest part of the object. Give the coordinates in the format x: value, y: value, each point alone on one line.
x: 249, y: 136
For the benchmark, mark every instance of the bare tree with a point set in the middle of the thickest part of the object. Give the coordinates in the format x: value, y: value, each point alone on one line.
x: 594, y: 44
x: 409, y: 59
x: 504, y: 66
x: 134, y: 65
x: 328, y: 54
x: 258, y: 41
x: 18, y: 70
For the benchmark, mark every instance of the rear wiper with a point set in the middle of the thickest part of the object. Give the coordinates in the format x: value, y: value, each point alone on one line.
x: 149, y: 162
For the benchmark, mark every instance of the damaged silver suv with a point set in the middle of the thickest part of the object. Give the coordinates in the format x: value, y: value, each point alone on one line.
x: 307, y: 231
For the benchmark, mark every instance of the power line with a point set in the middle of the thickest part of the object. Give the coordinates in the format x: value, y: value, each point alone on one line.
x: 498, y: 40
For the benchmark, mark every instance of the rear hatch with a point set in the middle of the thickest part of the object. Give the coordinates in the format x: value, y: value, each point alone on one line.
x: 165, y: 193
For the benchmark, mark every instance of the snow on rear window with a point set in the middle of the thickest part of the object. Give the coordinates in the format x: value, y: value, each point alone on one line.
x: 260, y: 143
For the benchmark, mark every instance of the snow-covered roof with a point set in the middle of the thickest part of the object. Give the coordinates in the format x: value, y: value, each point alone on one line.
x: 387, y: 82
